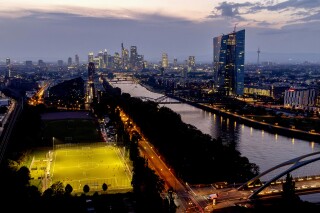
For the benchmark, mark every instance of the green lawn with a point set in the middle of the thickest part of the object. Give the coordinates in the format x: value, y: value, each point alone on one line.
x: 90, y: 164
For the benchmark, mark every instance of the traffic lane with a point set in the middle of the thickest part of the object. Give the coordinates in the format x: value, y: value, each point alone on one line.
x: 161, y: 166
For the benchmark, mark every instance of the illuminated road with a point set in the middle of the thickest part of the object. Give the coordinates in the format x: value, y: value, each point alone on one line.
x: 38, y: 97
x: 185, y: 199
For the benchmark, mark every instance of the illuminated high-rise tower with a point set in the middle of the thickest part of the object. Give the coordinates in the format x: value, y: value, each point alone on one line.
x: 105, y: 58
x: 164, y: 61
x: 90, y: 57
x: 91, y: 71
x: 192, y: 62
x: 228, y: 62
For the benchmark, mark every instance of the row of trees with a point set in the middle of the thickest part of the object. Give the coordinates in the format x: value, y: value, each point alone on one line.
x: 195, y: 157
x: 147, y: 185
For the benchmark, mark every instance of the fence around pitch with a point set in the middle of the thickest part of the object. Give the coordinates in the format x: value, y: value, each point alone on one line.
x: 80, y: 145
x: 96, y: 184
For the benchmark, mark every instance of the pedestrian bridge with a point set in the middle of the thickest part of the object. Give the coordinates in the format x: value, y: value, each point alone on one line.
x: 304, y: 184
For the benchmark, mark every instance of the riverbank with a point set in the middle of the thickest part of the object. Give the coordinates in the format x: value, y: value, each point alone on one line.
x: 268, y: 127
x: 275, y: 129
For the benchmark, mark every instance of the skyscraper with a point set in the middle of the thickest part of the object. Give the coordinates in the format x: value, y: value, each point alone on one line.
x: 91, y: 71
x: 192, y: 62
x: 76, y: 59
x: 133, y: 56
x: 175, y: 62
x: 228, y: 63
x: 164, y: 61
x: 8, y: 71
x: 90, y: 57
x: 69, y: 61
x: 124, y: 57
x: 105, y: 58
x: 8, y: 61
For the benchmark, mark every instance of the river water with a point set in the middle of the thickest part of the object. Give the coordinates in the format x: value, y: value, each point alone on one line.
x: 260, y: 147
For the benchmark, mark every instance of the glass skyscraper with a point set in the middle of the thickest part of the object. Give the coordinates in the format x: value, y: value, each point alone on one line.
x: 228, y: 63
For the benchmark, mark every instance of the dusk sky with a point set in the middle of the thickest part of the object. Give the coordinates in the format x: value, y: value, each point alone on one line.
x: 284, y: 30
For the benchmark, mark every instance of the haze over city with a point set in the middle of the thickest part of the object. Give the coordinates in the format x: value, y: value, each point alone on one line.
x: 285, y: 31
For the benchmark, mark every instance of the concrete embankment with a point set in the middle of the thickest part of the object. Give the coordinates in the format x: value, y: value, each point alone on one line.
x: 293, y: 133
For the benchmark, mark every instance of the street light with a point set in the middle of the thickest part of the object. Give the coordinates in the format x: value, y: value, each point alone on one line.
x: 53, y: 143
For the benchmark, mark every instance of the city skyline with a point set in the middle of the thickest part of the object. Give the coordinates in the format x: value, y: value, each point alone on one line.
x: 283, y: 30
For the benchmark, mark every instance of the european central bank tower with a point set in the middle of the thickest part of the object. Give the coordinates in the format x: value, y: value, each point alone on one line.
x: 228, y: 63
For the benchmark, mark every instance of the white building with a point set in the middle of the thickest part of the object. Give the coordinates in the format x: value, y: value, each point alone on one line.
x: 300, y: 98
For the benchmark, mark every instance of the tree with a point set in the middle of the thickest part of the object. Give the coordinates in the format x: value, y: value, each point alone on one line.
x: 68, y: 189
x: 57, y: 188
x: 86, y: 189
x: 288, y: 188
x: 23, y: 176
x: 172, y: 206
x: 104, y: 187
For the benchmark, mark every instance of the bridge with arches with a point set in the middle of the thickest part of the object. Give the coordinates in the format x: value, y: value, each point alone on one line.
x: 161, y: 100
x: 272, y: 188
x: 304, y: 185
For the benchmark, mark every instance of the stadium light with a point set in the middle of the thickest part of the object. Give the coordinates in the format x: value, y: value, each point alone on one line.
x: 53, y: 143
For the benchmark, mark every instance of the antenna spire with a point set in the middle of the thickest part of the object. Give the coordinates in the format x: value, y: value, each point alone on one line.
x: 235, y: 27
x: 258, y: 62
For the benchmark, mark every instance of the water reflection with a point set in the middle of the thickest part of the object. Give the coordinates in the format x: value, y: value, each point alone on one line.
x: 259, y: 146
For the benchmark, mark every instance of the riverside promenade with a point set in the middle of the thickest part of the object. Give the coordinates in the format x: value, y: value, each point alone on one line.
x: 272, y: 128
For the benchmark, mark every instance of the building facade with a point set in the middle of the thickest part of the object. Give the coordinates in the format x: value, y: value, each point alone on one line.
x: 164, y: 60
x: 91, y: 71
x: 228, y: 63
x: 300, y: 98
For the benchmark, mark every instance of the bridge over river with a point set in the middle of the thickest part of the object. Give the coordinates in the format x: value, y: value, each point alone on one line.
x: 234, y: 194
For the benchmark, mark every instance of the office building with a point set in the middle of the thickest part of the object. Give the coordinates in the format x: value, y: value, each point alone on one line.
x: 91, y: 71
x: 69, y: 61
x: 192, y: 62
x: 133, y: 56
x: 76, y: 59
x: 90, y: 57
x: 29, y: 64
x: 60, y: 63
x: 8, y: 61
x: 105, y: 59
x: 164, y: 61
x: 300, y: 98
x: 228, y: 63
x: 175, y: 62
x: 124, y: 57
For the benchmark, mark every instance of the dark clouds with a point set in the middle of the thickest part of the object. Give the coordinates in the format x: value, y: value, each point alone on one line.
x: 53, y: 36
x: 57, y: 35
x: 237, y: 10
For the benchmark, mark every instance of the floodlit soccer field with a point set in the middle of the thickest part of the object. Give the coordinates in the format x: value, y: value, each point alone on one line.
x: 90, y: 165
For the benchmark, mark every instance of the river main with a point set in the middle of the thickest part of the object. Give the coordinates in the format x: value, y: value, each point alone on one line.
x: 260, y: 147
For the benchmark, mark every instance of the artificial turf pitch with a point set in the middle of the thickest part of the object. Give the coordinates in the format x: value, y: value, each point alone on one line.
x: 92, y: 165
